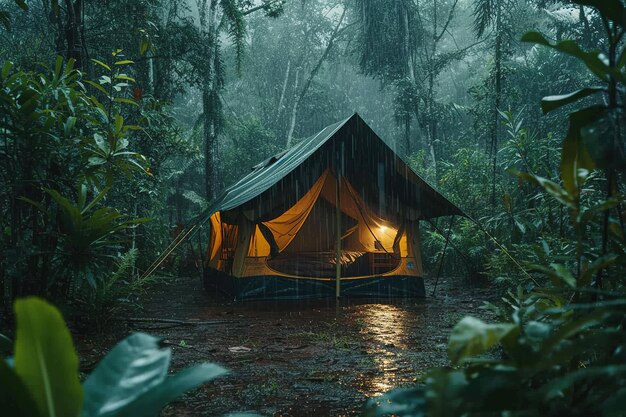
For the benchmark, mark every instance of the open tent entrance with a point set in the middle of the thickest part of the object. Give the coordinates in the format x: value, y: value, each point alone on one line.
x: 302, y: 241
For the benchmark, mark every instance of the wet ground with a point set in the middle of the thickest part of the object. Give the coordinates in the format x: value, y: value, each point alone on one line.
x: 296, y: 358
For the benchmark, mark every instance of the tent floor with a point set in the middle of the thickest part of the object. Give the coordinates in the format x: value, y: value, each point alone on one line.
x: 276, y: 287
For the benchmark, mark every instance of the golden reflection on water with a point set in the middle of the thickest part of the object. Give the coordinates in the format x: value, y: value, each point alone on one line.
x: 384, y: 331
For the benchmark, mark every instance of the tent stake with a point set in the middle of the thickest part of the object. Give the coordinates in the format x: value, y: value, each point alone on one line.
x: 443, y: 254
x: 338, y: 243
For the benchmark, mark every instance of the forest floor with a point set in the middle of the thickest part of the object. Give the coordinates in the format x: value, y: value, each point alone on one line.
x: 295, y: 358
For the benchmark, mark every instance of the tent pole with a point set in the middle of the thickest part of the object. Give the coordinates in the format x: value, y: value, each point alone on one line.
x: 338, y: 233
x: 445, y: 247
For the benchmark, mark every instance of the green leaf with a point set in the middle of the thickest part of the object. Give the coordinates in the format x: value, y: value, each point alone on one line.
x: 125, y: 100
x: 130, y: 369
x: 14, y: 397
x: 602, y: 137
x: 472, y: 336
x: 119, y: 122
x: 591, y: 59
x: 124, y: 77
x: 102, y: 64
x: 564, y: 274
x: 550, y: 103
x: 124, y: 62
x: 151, y: 403
x: 574, y: 155
x: 45, y: 359
x: 98, y: 87
x: 69, y: 125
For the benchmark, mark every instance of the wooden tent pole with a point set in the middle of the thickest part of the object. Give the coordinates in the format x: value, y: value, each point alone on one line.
x: 338, y: 233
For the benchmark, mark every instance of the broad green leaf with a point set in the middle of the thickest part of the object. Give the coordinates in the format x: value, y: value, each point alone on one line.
x: 132, y: 368
x: 151, y: 403
x: 45, y: 359
x: 124, y: 62
x: 591, y: 59
x: 574, y: 155
x: 602, y: 137
x: 102, y: 64
x: 472, y: 336
x: 550, y: 103
x: 14, y: 397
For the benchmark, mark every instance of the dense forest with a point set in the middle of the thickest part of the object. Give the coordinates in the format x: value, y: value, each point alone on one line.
x: 121, y: 122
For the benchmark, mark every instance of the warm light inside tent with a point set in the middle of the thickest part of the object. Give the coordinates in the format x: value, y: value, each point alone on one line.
x: 383, y: 229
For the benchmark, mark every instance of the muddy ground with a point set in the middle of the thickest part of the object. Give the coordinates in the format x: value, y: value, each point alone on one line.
x: 295, y: 358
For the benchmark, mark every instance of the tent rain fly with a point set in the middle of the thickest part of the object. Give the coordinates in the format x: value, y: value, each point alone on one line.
x: 339, y: 211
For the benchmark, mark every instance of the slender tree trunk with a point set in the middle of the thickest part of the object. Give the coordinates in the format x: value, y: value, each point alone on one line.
x: 210, y: 99
x: 496, y: 107
x: 279, y: 111
x: 312, y: 75
x: 294, y: 109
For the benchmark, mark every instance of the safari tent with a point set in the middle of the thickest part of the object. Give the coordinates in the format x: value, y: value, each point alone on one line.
x: 336, y: 215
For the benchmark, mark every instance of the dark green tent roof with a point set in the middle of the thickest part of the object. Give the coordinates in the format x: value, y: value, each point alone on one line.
x: 303, y: 163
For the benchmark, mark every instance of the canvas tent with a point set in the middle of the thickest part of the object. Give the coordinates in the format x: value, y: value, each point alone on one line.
x: 337, y: 214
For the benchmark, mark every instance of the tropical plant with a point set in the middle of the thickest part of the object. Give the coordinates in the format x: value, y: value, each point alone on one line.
x: 559, y: 346
x: 42, y: 378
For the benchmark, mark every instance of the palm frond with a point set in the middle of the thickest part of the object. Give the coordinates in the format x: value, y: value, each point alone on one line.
x: 236, y: 28
x: 484, y: 14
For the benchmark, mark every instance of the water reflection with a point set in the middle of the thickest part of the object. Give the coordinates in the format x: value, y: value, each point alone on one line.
x: 385, y: 333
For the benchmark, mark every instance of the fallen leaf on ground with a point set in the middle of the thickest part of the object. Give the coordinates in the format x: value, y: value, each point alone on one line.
x: 239, y: 349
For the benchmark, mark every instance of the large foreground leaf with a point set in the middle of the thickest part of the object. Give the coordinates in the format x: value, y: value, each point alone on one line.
x: 132, y: 380
x: 151, y: 403
x: 45, y: 359
x: 133, y: 367
x: 472, y: 336
x: 13, y: 396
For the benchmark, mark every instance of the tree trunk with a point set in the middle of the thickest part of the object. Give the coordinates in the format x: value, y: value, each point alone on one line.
x: 294, y: 109
x: 73, y: 31
x: 307, y: 84
x: 210, y: 99
x: 496, y: 108
x: 282, y: 93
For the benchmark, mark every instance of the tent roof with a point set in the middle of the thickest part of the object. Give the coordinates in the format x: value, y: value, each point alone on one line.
x: 270, y: 172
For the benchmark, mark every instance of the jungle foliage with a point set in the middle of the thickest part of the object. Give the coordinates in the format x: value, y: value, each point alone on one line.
x: 120, y: 120
x: 559, y: 346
